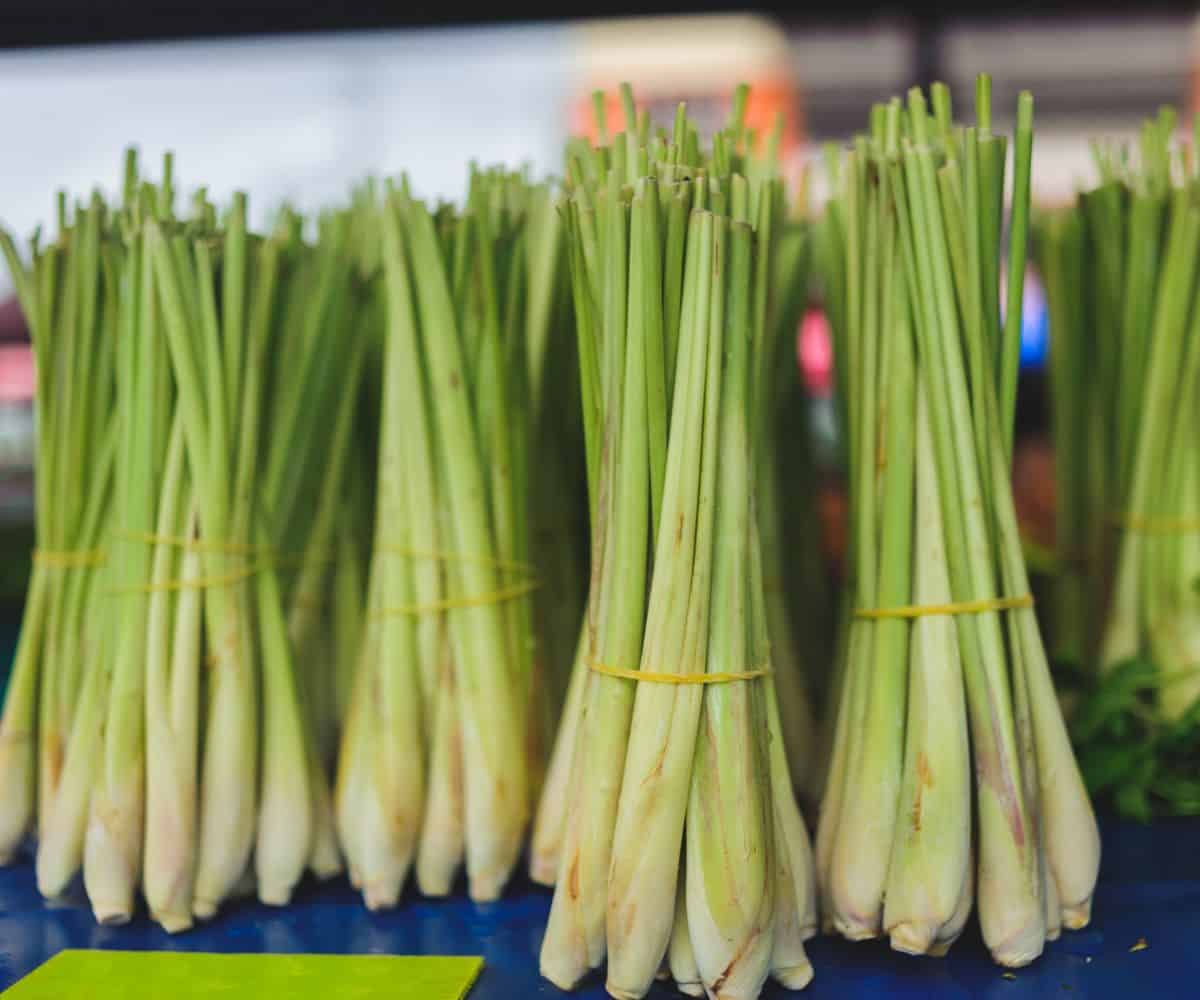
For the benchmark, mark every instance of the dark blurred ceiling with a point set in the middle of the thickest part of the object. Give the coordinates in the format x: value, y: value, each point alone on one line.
x: 57, y: 22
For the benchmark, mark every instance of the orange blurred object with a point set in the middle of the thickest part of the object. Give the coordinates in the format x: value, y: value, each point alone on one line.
x: 696, y: 60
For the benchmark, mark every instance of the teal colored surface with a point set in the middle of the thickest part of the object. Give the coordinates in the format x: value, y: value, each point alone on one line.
x: 1149, y: 889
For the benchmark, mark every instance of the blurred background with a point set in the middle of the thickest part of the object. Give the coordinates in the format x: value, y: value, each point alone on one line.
x: 296, y: 101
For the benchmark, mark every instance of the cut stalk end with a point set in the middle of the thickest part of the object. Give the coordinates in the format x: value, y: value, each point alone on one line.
x: 173, y: 922
x: 1077, y: 917
x: 913, y: 939
x: 794, y: 977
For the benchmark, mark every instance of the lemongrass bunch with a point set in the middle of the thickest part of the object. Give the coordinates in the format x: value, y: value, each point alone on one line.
x: 669, y: 824
x: 1120, y: 276
x: 951, y: 705
x: 440, y: 755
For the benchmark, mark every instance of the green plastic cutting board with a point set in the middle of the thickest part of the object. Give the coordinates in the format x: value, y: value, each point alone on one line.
x: 166, y: 975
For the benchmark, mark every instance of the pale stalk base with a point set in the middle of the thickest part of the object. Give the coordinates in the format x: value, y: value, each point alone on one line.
x: 1021, y: 948
x: 1078, y: 916
x: 60, y: 850
x: 227, y: 811
x: 794, y: 977
x: 486, y: 885
x: 112, y: 851
x: 913, y: 938
x: 543, y: 869
x: 174, y: 922
x: 563, y: 958
x: 284, y: 842
x: 443, y: 836
x: 326, y: 860
x: 203, y: 909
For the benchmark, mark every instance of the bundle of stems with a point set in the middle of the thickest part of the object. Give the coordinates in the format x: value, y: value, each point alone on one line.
x: 1121, y: 279
x: 441, y: 754
x: 944, y: 659
x: 669, y: 822
x: 198, y: 464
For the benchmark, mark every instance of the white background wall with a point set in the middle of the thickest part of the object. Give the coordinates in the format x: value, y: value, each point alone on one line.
x: 297, y: 118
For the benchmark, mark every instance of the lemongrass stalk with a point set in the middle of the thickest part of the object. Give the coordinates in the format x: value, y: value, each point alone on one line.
x: 549, y: 824
x: 64, y: 820
x: 229, y: 769
x: 115, y: 830
x: 491, y: 712
x: 575, y: 934
x: 172, y: 702
x: 681, y: 958
x: 303, y: 618
x: 953, y: 928
x: 443, y: 835
x: 354, y: 765
x: 730, y: 836
x: 796, y: 884
x: 931, y: 851
x: 393, y: 796
x: 1069, y: 831
x: 348, y: 600
x: 870, y: 808
x: 859, y: 356
x: 284, y: 832
x: 1010, y: 903
x: 61, y: 846
x: 662, y: 737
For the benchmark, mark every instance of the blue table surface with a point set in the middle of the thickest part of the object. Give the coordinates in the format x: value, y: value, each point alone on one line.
x: 1149, y: 890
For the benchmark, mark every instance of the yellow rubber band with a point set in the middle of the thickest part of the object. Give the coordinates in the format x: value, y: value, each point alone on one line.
x: 193, y: 544
x: 69, y: 558
x: 507, y: 565
x: 957, y: 608
x: 650, y: 677
x: 451, y: 603
x: 1145, y: 525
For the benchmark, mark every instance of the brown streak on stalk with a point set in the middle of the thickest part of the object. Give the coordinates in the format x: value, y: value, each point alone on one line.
x: 656, y: 771
x: 728, y: 970
x: 924, y: 780
x: 988, y: 771
x: 54, y: 758
x: 679, y: 530
x: 454, y: 380
x: 573, y: 878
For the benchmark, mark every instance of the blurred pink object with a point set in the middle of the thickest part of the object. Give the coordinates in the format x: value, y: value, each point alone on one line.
x: 815, y: 350
x: 16, y: 373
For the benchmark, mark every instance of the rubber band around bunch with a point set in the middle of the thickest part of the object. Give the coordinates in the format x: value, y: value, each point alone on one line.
x: 652, y: 677
x: 69, y: 558
x: 500, y: 595
x: 1147, y: 525
x: 953, y: 608
x: 238, y: 575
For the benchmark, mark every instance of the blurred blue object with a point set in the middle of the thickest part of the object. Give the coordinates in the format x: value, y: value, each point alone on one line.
x: 1035, y: 324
